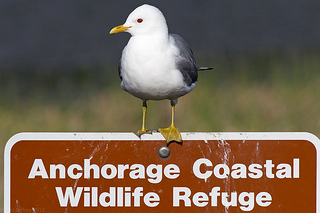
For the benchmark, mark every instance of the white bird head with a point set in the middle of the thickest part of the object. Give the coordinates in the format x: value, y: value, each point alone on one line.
x: 144, y: 20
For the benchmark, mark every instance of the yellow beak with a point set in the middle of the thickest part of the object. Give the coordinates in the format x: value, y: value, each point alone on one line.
x: 118, y: 29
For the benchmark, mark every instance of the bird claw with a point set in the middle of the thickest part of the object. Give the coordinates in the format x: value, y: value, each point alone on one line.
x: 171, y: 134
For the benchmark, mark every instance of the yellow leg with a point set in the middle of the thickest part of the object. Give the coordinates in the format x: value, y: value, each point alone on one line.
x: 144, y: 113
x: 171, y: 133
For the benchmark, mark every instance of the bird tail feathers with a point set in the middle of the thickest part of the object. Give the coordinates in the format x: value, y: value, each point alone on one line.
x: 204, y: 68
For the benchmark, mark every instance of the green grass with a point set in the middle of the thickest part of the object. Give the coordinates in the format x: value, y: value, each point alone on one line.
x: 261, y: 92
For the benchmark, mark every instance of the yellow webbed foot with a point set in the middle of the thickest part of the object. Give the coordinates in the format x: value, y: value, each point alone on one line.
x: 171, y: 134
x: 143, y: 131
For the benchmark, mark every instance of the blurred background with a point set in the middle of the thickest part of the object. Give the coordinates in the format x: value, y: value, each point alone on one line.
x: 58, y: 67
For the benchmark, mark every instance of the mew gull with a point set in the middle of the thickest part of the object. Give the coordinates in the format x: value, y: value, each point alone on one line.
x: 155, y: 65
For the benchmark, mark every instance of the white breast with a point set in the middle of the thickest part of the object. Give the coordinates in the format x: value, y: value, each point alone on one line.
x: 149, y: 71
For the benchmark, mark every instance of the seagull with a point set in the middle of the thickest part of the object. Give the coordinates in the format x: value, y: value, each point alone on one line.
x: 155, y: 65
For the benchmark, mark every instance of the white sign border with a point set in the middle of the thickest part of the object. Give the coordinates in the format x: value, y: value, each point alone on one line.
x: 155, y: 136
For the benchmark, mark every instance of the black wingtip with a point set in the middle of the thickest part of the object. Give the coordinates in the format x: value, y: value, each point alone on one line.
x: 204, y: 68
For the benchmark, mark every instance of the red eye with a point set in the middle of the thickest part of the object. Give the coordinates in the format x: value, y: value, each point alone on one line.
x: 140, y: 20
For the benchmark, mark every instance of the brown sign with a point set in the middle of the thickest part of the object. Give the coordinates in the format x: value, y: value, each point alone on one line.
x: 118, y: 172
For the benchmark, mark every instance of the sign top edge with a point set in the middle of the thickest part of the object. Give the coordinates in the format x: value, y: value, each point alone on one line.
x: 157, y: 136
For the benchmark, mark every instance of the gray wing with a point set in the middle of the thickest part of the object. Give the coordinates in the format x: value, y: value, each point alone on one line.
x: 185, y: 62
x: 119, y: 69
